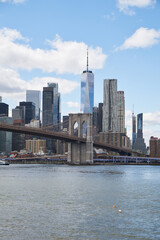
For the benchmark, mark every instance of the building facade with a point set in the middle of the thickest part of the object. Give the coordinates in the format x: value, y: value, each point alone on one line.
x: 110, y: 111
x: 56, y: 105
x: 154, y: 146
x: 6, y: 137
x: 121, y: 111
x: 133, y: 129
x: 100, y: 116
x: 87, y: 90
x: 4, y: 108
x: 36, y: 146
x: 35, y: 97
x: 47, y: 107
x: 139, y: 144
x: 29, y: 111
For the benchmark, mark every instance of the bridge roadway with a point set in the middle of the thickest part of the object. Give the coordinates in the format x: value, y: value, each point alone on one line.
x: 60, y: 136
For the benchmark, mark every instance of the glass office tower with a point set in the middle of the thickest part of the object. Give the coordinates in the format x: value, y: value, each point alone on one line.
x: 35, y: 97
x: 56, y: 104
x: 87, y: 90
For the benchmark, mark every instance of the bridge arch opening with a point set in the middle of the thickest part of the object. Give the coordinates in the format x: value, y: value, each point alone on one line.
x: 84, y: 129
x: 75, y: 129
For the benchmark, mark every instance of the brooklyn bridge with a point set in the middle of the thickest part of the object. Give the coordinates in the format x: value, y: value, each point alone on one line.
x: 78, y: 145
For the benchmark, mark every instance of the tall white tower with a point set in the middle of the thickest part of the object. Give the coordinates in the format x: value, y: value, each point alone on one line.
x: 87, y: 90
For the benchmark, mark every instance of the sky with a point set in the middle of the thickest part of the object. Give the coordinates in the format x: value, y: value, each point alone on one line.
x: 47, y: 40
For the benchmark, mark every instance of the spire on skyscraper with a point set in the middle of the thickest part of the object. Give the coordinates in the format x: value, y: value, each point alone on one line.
x: 87, y: 59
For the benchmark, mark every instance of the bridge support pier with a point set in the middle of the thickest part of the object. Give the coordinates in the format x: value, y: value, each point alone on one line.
x: 81, y: 153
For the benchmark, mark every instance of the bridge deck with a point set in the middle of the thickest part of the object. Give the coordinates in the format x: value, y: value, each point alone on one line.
x: 60, y: 136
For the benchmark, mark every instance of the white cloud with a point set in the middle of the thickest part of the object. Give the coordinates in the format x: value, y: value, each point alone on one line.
x: 13, y: 1
x: 127, y: 5
x: 73, y: 104
x: 142, y: 38
x: 63, y: 57
x: 14, y: 88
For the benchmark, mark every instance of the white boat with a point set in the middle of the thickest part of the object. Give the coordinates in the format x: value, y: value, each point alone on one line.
x: 3, y: 162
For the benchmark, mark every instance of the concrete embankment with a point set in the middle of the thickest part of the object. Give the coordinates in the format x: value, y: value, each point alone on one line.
x: 37, y: 161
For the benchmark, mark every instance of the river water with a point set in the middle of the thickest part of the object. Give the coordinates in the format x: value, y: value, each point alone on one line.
x: 76, y: 202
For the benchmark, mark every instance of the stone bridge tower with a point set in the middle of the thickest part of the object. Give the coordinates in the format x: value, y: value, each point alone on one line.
x: 80, y: 125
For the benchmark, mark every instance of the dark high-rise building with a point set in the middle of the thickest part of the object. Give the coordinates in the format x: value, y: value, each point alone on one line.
x: 95, y: 117
x: 5, y: 137
x: 133, y: 129
x: 56, y: 106
x: 100, y: 116
x: 47, y: 109
x: 29, y: 111
x: 4, y: 109
x: 139, y: 143
x: 66, y: 122
x: 18, y: 140
x: 51, y: 110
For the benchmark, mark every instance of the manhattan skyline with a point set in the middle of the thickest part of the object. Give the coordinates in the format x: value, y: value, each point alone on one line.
x: 46, y: 41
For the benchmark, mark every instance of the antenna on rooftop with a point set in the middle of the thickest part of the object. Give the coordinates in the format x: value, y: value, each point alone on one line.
x: 87, y: 59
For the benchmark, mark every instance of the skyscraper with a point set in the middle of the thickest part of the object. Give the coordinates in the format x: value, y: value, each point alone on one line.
x: 110, y: 111
x: 56, y: 104
x: 100, y: 116
x: 121, y: 111
x: 133, y: 129
x: 35, y: 97
x: 87, y: 90
x: 4, y: 109
x: 139, y: 143
x: 29, y: 111
x: 47, y: 110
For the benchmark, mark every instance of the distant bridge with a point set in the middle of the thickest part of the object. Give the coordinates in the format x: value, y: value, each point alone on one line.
x: 61, y: 136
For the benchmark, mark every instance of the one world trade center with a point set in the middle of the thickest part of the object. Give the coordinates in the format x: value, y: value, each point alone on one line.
x: 87, y: 90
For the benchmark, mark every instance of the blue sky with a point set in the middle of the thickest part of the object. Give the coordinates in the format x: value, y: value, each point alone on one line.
x: 45, y: 41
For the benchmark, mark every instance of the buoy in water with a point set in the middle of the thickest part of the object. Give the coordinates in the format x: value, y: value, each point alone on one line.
x: 114, y: 206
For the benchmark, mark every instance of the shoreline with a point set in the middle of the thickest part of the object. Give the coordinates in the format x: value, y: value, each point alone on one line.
x: 63, y: 161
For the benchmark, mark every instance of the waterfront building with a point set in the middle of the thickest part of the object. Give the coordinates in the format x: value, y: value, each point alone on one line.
x: 87, y: 90
x: 35, y: 97
x: 110, y: 111
x: 139, y: 143
x: 121, y: 111
x: 36, y: 146
x: 4, y: 108
x: 6, y: 137
x: 154, y: 146
x: 0, y: 99
x: 29, y: 111
x: 115, y: 139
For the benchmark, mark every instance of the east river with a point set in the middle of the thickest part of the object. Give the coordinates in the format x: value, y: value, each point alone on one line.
x: 41, y: 202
